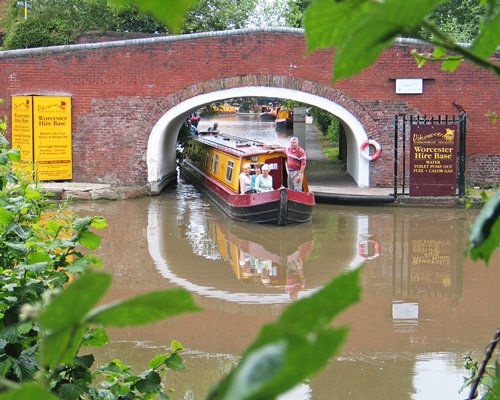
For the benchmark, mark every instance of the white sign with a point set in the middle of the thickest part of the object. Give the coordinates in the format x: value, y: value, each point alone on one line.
x: 409, y: 86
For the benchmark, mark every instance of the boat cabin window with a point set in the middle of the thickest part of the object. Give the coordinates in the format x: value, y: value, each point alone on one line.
x: 229, y: 171
x: 206, y: 160
x: 212, y: 162
x: 216, y: 163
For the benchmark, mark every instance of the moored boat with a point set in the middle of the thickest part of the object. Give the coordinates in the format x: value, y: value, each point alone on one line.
x: 227, y: 109
x: 284, y: 118
x: 268, y: 113
x: 213, y: 164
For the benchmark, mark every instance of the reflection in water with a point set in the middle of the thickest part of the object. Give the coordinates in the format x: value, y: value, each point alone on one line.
x: 423, y: 305
x: 267, y: 257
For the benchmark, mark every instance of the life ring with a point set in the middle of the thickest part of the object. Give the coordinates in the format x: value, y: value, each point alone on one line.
x: 369, y: 249
x: 375, y: 155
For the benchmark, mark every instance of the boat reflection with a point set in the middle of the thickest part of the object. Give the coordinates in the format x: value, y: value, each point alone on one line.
x: 254, y: 258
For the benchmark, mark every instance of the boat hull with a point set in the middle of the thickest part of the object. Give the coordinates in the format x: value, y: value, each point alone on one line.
x: 280, y: 207
x: 267, y: 116
x: 284, y: 123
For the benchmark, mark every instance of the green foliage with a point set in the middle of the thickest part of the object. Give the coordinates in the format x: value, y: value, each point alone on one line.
x: 364, y: 28
x: 52, y: 22
x: 216, y: 15
x: 45, y: 321
x: 291, y: 349
x: 328, y: 123
x: 485, y: 232
x: 129, y: 18
x: 459, y: 19
x: 488, y: 379
x: 169, y: 12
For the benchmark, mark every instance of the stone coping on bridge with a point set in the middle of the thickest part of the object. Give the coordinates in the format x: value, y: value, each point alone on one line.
x: 163, y: 39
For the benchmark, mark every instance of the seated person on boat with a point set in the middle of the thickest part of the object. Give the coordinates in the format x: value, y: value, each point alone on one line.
x: 246, y: 180
x: 257, y: 171
x: 264, y: 182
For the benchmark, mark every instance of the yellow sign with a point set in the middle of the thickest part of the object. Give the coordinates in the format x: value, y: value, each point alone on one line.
x: 52, y: 137
x: 22, y: 131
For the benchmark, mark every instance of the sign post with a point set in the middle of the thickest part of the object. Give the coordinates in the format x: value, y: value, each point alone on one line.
x: 41, y: 130
x: 433, y: 164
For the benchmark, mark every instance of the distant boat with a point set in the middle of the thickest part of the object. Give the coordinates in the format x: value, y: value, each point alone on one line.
x: 268, y: 113
x: 213, y: 164
x: 227, y: 109
x: 284, y: 118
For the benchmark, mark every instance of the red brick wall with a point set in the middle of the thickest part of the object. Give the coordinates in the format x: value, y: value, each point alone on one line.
x: 120, y: 90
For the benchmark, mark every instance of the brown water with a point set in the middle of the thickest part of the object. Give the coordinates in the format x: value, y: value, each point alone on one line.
x: 423, y: 305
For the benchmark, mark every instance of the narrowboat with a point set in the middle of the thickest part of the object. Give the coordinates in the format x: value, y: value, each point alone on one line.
x: 227, y: 109
x: 268, y: 113
x: 284, y: 118
x: 213, y: 164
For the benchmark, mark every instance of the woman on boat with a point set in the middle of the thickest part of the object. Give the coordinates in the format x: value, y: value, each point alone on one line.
x: 246, y: 179
x: 258, y: 171
x: 264, y: 182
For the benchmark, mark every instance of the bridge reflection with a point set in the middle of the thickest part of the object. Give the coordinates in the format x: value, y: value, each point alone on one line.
x: 406, y: 255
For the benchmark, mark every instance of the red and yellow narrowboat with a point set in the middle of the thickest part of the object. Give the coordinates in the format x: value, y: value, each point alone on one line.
x: 284, y: 118
x: 213, y: 164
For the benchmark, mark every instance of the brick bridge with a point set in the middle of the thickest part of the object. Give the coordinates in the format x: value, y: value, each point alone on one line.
x: 130, y: 97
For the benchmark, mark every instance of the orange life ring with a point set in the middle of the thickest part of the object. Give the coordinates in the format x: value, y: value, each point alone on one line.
x: 369, y: 249
x: 375, y: 155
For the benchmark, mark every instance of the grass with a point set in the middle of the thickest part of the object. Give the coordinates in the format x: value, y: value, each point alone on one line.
x: 330, y: 149
x: 477, y: 191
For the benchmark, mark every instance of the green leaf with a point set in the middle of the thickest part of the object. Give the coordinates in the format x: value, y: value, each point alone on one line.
x: 27, y: 366
x: 176, y: 346
x: 14, y: 154
x: 61, y: 347
x: 85, y: 361
x: 361, y: 30
x: 150, y: 383
x: 20, y: 248
x: 170, y: 12
x: 40, y: 256
x: 485, y: 232
x: 70, y: 307
x: 6, y: 217
x: 53, y: 227
x: 145, y: 308
x: 175, y: 362
x: 99, y: 222
x: 71, y: 391
x: 450, y: 65
x: 157, y: 361
x: 90, y: 240
x: 95, y: 337
x: 292, y: 349
x: 28, y: 391
x: 488, y: 39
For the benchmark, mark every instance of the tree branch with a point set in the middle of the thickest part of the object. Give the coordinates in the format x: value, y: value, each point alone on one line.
x: 482, y: 368
x: 449, y: 44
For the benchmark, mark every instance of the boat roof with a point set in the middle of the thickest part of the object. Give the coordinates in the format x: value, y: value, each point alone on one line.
x: 238, y: 146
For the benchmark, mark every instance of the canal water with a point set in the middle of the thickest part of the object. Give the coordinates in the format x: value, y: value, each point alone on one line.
x: 424, y: 305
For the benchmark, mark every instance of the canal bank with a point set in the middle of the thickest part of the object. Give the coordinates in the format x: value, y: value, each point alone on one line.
x: 324, y: 194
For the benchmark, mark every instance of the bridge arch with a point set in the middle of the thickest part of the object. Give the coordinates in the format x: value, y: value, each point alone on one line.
x: 161, y: 149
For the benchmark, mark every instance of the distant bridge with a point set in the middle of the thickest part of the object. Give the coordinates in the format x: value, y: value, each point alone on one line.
x: 130, y: 97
